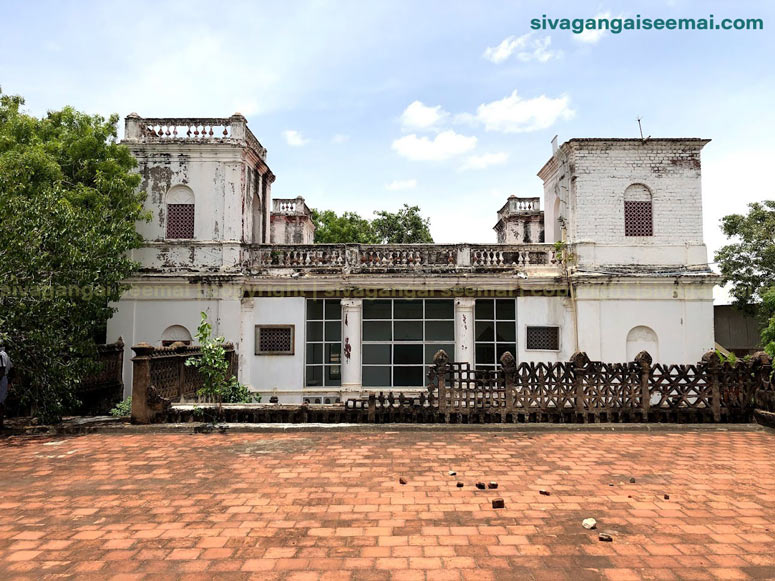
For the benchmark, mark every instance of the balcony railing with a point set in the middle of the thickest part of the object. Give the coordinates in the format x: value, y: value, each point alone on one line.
x: 191, y: 130
x: 402, y: 257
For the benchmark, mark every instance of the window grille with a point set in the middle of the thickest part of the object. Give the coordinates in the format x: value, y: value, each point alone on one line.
x: 274, y: 339
x: 180, y: 220
x: 638, y: 219
x: 543, y: 338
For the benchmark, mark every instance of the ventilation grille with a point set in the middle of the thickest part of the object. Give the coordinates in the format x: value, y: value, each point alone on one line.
x: 274, y: 340
x: 543, y: 338
x: 638, y: 219
x: 180, y: 220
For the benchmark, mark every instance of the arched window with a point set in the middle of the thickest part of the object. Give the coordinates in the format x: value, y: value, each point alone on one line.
x: 642, y: 338
x: 180, y: 212
x: 638, y: 212
x: 174, y: 334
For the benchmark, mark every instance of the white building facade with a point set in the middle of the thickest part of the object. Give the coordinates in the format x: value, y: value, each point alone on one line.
x: 614, y: 264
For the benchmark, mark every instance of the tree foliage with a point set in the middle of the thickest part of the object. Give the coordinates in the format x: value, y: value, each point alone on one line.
x: 768, y: 333
x: 69, y: 204
x: 407, y: 226
x: 348, y: 228
x: 748, y: 263
x: 213, y: 366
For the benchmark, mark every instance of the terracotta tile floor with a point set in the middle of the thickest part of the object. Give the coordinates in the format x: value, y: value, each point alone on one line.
x: 330, y: 506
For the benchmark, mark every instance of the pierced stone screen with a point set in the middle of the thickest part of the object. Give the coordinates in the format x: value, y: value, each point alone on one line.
x: 638, y: 219
x: 543, y: 338
x: 274, y: 340
x: 180, y: 220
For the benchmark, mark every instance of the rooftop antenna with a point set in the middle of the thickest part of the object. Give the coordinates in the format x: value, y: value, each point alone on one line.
x: 640, y: 128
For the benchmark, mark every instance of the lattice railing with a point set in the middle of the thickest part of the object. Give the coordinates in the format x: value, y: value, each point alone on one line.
x: 581, y: 389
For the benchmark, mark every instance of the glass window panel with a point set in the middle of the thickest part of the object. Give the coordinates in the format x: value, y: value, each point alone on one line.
x: 503, y: 347
x: 314, y: 331
x: 504, y: 310
x: 485, y: 354
x: 314, y: 309
x: 407, y: 354
x: 377, y: 330
x: 314, y: 375
x: 408, y: 376
x: 440, y: 331
x: 408, y: 331
x: 484, y: 309
x: 333, y: 330
x: 379, y: 354
x: 376, y: 309
x: 430, y: 351
x: 374, y: 376
x: 484, y: 331
x: 439, y: 309
x: 333, y: 309
x: 333, y: 375
x: 333, y: 353
x: 506, y: 331
x: 407, y: 309
x: 315, y: 353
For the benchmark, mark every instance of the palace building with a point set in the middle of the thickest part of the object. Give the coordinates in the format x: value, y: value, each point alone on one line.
x: 613, y: 264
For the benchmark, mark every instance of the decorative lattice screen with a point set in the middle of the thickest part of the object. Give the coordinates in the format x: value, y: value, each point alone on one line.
x: 545, y: 338
x: 638, y: 219
x: 274, y: 340
x: 180, y: 220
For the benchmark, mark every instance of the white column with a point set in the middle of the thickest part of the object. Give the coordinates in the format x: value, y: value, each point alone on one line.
x: 464, y: 330
x: 352, y: 313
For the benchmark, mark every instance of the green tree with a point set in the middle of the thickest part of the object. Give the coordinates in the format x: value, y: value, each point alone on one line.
x: 349, y: 228
x: 748, y: 263
x: 768, y: 309
x: 69, y: 205
x: 406, y: 226
x: 403, y: 227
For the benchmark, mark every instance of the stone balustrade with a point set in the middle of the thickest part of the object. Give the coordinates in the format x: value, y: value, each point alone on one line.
x: 403, y: 257
x: 191, y: 130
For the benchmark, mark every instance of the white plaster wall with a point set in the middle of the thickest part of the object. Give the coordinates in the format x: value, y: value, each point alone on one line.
x: 544, y: 311
x: 146, y: 310
x: 273, y: 374
x: 683, y: 324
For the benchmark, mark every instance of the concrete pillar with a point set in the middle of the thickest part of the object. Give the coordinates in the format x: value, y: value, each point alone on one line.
x: 133, y: 130
x: 352, y: 314
x: 464, y: 330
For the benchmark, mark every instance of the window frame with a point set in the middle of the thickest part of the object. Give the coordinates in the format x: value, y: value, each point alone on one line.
x: 559, y: 338
x: 257, y: 338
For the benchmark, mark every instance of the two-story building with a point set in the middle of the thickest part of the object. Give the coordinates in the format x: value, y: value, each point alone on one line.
x: 613, y: 264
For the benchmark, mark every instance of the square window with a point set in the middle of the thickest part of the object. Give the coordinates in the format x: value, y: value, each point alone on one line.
x: 431, y: 350
x: 439, y: 330
x: 485, y: 331
x: 374, y: 376
x: 408, y: 330
x: 439, y: 309
x: 505, y: 331
x: 485, y: 354
x: 408, y: 376
x: 505, y: 310
x: 314, y: 331
x: 407, y: 354
x: 333, y: 330
x: 274, y: 340
x: 333, y: 309
x: 376, y: 354
x: 484, y: 309
x: 407, y: 309
x: 377, y: 309
x: 314, y: 310
x: 314, y: 375
x: 315, y: 353
x: 377, y: 331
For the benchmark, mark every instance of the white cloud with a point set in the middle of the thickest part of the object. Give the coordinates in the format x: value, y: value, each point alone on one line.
x: 443, y: 146
x: 418, y: 116
x: 593, y: 36
x: 397, y: 185
x: 513, y: 114
x: 526, y: 47
x: 340, y: 138
x: 484, y: 160
x: 294, y: 138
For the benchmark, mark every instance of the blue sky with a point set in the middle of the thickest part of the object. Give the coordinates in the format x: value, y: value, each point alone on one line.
x: 366, y: 105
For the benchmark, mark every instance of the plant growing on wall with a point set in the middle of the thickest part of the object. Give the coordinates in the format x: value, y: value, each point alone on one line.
x: 217, y: 384
x: 69, y: 201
